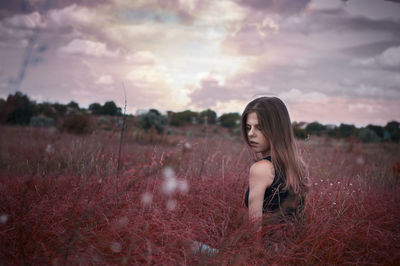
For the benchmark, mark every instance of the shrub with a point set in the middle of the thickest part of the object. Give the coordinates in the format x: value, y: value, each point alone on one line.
x: 104, y: 123
x: 153, y: 119
x: 377, y: 129
x: 41, y: 121
x: 367, y: 135
x: 77, y: 123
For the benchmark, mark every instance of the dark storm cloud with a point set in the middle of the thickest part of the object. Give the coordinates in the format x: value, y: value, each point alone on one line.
x: 13, y: 7
x: 365, y: 24
x: 340, y: 20
x: 283, y: 7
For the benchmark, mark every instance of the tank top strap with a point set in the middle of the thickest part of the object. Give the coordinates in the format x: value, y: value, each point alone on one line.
x: 268, y: 158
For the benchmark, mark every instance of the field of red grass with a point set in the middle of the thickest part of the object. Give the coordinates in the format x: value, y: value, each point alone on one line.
x: 62, y: 202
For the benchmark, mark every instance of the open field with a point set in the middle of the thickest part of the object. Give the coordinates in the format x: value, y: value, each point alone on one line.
x: 62, y: 202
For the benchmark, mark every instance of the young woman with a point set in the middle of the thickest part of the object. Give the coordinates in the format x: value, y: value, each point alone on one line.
x: 278, y: 179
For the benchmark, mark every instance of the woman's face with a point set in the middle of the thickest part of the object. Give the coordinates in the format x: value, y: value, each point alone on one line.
x: 258, y: 142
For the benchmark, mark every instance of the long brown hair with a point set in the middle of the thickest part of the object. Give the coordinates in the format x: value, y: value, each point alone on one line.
x: 274, y: 121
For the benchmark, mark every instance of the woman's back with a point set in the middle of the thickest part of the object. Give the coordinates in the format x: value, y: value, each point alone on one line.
x: 280, y: 204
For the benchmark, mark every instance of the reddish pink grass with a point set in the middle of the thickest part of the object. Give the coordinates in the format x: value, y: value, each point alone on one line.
x: 64, y: 206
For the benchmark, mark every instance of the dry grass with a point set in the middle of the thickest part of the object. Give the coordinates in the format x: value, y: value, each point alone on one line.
x: 60, y: 203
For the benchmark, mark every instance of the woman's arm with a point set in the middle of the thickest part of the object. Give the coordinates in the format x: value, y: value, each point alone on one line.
x: 260, y: 178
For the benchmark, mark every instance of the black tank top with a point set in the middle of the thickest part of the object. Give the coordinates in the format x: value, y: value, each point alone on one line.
x: 274, y: 194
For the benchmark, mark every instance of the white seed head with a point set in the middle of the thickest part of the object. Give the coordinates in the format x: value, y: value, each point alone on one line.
x: 187, y: 145
x: 146, y: 198
x: 360, y: 160
x: 49, y: 149
x: 169, y: 184
x: 3, y: 218
x: 171, y: 204
x: 168, y: 172
x: 183, y: 186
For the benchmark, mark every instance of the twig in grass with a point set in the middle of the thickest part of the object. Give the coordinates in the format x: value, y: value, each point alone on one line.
x: 121, y: 138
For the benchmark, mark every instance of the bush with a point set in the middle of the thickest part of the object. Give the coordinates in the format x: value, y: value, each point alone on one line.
x: 77, y: 123
x: 367, y: 135
x: 104, y: 123
x: 153, y: 119
x: 41, y: 121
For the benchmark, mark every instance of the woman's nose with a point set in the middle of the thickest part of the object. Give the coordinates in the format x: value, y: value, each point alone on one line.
x: 251, y: 132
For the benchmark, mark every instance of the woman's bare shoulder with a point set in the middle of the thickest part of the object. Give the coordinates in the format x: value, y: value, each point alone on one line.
x: 263, y: 170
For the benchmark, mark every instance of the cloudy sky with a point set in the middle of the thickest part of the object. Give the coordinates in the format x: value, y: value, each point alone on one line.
x: 330, y: 60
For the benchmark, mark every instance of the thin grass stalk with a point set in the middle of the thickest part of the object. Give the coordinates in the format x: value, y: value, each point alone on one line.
x: 121, y: 138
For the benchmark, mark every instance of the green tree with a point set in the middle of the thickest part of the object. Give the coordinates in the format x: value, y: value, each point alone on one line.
x: 73, y: 105
x: 229, y: 120
x: 18, y: 109
x: 393, y: 127
x: 110, y: 108
x: 211, y: 117
x: 332, y: 131
x: 315, y: 128
x: 346, y: 130
x: 95, y: 108
x: 379, y: 131
x: 182, y: 118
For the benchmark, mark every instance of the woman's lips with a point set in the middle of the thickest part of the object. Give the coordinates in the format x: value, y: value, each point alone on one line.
x: 253, y: 143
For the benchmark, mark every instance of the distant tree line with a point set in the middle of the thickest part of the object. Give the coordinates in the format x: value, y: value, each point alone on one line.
x: 370, y: 133
x: 18, y: 109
